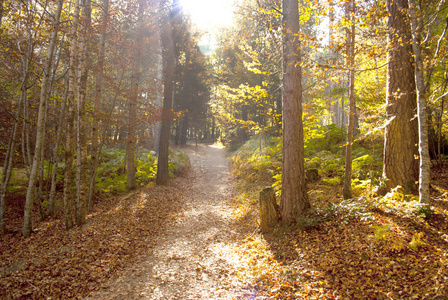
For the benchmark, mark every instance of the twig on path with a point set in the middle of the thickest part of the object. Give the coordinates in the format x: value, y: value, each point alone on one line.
x: 252, y: 234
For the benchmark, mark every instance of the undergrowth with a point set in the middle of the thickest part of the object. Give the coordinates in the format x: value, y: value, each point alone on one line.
x: 111, y: 175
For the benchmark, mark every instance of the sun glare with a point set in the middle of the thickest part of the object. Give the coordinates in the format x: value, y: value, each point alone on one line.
x: 208, y: 14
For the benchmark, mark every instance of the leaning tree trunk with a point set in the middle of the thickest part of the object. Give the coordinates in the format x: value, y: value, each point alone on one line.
x: 168, y: 80
x: 28, y: 213
x: 425, y: 161
x: 350, y: 9
x: 400, y: 166
x: 294, y: 199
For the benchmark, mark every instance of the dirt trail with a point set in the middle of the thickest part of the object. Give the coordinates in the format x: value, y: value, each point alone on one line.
x: 189, y: 261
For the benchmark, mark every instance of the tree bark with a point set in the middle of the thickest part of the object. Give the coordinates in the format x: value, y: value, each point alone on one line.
x: 97, y: 106
x: 350, y: 9
x: 159, y: 92
x: 268, y: 209
x: 294, y: 199
x: 401, y: 134
x: 81, y: 150
x: 425, y: 161
x: 28, y: 213
x: 169, y: 58
x: 132, y: 119
x: 68, y: 176
x: 7, y: 166
x: 61, y: 125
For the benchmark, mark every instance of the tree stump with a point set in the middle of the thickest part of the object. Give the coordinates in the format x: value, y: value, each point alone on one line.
x: 268, y: 209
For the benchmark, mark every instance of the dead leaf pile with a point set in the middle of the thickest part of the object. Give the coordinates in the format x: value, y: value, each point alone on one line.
x: 345, y: 259
x: 55, y: 263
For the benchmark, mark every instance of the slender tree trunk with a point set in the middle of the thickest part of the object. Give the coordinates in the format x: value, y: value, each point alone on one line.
x: 1, y: 12
x: 350, y: 9
x: 439, y: 130
x: 28, y: 214
x: 294, y: 198
x: 7, y: 166
x: 400, y: 167
x: 132, y: 119
x: 68, y: 176
x: 159, y: 92
x: 97, y: 106
x: 425, y: 161
x: 169, y: 59
x: 186, y: 101
x: 81, y: 151
x: 61, y: 125
x: 440, y: 121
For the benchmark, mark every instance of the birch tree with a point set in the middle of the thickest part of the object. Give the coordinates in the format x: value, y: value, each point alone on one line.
x: 423, y: 148
x: 68, y: 176
x: 28, y: 212
x: 350, y: 35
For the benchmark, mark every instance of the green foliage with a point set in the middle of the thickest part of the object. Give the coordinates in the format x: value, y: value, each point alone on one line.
x: 179, y: 162
x: 255, y: 165
x: 333, y: 181
x: 396, y: 201
x: 111, y: 176
x: 416, y: 241
x: 380, y: 232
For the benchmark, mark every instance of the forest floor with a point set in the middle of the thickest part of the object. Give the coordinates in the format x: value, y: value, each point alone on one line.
x: 190, y: 259
x: 170, y: 242
x: 198, y: 238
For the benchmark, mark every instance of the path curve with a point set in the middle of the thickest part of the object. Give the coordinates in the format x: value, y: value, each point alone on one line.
x: 188, y: 261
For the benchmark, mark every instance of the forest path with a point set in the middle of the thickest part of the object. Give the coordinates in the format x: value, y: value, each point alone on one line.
x: 189, y: 260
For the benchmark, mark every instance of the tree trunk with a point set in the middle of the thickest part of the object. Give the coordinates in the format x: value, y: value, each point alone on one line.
x: 268, y: 209
x: 7, y: 166
x: 401, y: 134
x: 425, y: 161
x: 350, y: 9
x: 159, y: 92
x: 81, y: 151
x: 97, y: 106
x: 61, y: 125
x: 68, y: 176
x: 132, y: 120
x: 186, y: 101
x: 169, y: 69
x: 1, y: 12
x: 28, y: 213
x: 294, y: 199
